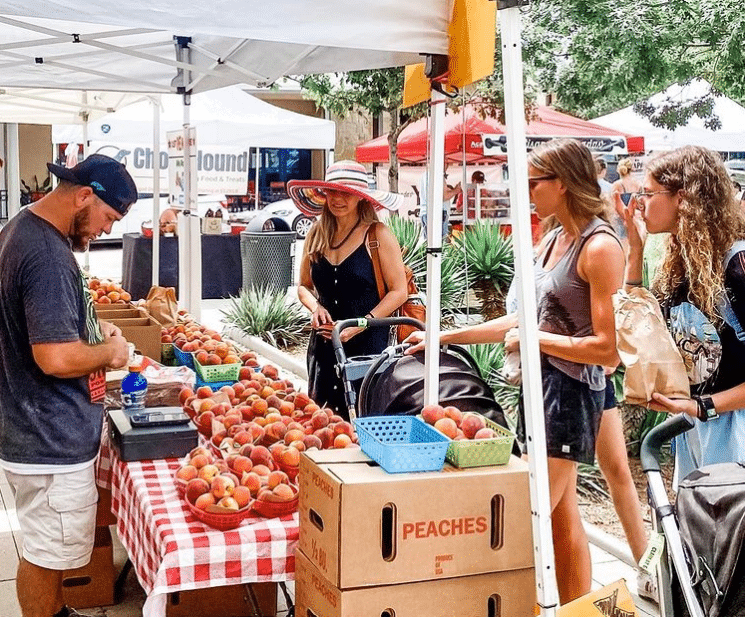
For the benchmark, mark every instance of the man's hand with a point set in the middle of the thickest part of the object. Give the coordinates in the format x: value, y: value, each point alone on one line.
x: 109, y: 329
x: 120, y: 349
x: 512, y: 340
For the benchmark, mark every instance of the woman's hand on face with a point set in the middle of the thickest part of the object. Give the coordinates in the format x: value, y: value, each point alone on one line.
x: 660, y: 402
x: 416, y: 340
x: 320, y: 317
x: 635, y: 227
x: 512, y: 340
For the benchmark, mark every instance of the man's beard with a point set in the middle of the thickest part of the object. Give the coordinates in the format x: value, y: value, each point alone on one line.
x: 78, y: 234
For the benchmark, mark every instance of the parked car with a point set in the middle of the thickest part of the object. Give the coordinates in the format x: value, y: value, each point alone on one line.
x: 736, y: 170
x: 289, y: 213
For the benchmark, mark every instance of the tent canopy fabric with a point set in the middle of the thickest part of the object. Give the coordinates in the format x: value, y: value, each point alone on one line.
x: 130, y: 46
x: 45, y: 106
x: 729, y: 138
x: 225, y: 117
x: 412, y: 143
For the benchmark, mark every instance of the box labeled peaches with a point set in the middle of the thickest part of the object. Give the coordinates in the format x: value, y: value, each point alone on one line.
x: 507, y: 594
x: 361, y: 526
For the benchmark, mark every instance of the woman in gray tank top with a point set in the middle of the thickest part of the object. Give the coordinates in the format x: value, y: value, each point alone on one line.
x: 579, y: 267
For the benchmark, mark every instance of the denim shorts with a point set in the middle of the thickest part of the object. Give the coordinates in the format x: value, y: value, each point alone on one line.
x: 572, y: 413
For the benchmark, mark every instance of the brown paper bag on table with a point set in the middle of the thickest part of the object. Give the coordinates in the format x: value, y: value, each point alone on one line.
x: 162, y: 306
x: 646, y: 348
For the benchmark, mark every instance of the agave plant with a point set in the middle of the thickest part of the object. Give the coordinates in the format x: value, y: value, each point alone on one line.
x: 489, y: 261
x: 264, y: 311
x: 413, y: 249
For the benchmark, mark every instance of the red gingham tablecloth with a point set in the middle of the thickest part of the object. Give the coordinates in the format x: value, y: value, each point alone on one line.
x: 172, y: 551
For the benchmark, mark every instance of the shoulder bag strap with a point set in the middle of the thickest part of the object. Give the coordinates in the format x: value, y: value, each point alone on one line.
x: 725, y: 307
x: 372, y: 245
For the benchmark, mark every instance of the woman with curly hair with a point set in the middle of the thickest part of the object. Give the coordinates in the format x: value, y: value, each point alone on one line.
x: 701, y: 289
x: 578, y: 268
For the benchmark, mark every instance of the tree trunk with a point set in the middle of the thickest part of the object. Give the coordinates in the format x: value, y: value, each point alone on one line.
x: 492, y: 299
x: 393, y: 152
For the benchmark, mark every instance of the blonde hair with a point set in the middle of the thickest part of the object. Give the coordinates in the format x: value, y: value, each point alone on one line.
x: 572, y: 162
x: 709, y: 221
x: 624, y: 167
x: 322, y: 233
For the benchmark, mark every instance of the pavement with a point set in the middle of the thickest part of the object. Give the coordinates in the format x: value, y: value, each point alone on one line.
x: 607, y: 566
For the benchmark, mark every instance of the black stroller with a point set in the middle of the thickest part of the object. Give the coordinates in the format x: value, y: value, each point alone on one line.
x: 704, y: 532
x: 393, y: 384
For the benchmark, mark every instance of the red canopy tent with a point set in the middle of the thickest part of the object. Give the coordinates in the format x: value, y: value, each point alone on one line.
x: 548, y: 123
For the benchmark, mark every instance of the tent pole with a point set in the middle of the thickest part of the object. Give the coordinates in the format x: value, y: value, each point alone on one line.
x: 256, y: 178
x: 510, y: 26
x: 434, y: 247
x: 12, y: 154
x: 85, y: 115
x: 156, y: 192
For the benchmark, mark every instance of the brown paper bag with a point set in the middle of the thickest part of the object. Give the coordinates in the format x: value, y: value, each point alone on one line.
x: 162, y: 306
x: 653, y: 362
x: 612, y: 600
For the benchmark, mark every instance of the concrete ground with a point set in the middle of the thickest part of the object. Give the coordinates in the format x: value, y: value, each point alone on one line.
x: 107, y: 264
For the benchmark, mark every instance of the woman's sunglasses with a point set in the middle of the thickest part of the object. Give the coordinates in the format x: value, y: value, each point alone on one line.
x: 534, y: 180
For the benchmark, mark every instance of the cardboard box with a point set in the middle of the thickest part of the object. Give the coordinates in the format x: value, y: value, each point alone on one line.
x: 503, y: 594
x: 212, y: 226
x: 118, y: 311
x: 143, y: 332
x: 104, y: 515
x: 361, y: 526
x: 92, y: 585
x: 226, y: 601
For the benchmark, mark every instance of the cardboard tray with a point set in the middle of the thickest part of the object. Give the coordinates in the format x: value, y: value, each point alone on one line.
x: 153, y: 442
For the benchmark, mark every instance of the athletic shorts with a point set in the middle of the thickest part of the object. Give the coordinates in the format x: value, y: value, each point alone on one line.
x: 57, y: 515
x: 610, y: 395
x: 572, y: 414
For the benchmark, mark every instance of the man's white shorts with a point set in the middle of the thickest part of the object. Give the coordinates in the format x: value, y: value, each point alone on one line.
x: 57, y: 514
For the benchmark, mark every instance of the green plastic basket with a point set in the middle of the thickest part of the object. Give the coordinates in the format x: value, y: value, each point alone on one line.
x: 482, y: 452
x: 217, y: 372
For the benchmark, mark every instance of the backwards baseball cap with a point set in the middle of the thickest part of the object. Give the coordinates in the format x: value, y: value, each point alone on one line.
x: 108, y: 178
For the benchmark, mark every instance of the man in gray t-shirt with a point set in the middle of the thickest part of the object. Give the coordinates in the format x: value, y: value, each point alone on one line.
x: 53, y: 357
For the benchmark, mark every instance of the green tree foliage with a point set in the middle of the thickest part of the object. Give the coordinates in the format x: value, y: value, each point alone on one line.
x: 602, y: 55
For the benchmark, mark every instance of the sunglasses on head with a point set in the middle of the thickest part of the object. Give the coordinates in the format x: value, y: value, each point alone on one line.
x: 534, y: 180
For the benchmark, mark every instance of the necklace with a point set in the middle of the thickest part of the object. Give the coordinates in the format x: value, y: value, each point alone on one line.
x: 333, y: 247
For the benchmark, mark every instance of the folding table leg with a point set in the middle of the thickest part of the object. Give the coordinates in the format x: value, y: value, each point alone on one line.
x: 288, y: 600
x: 121, y: 580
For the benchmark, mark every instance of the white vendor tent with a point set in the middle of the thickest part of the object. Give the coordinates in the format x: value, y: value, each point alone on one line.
x: 225, y: 117
x: 133, y: 47
x: 728, y: 138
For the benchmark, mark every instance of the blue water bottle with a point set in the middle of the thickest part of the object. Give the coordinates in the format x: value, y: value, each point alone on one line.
x: 134, y: 389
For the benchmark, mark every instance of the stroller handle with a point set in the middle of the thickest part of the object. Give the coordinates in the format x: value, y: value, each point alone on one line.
x: 365, y: 322
x: 660, y: 434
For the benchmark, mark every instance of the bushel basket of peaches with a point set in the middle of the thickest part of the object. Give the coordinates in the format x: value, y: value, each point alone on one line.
x: 477, y: 441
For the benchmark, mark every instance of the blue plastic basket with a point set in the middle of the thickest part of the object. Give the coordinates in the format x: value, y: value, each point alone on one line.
x: 215, y: 385
x: 402, y: 444
x: 185, y: 358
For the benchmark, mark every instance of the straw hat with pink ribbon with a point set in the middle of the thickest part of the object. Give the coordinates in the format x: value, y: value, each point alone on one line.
x: 348, y: 176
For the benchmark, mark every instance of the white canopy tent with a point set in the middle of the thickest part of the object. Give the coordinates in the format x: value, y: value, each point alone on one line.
x: 227, y: 117
x: 728, y: 138
x: 130, y: 47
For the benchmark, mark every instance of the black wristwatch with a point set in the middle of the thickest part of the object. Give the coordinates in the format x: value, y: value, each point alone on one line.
x: 706, y: 409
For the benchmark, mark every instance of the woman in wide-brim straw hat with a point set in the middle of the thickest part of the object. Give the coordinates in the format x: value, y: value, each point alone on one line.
x: 337, y: 279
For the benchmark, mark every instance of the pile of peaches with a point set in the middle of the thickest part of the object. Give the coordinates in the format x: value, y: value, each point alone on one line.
x: 107, y: 292
x: 456, y: 424
x: 206, y: 344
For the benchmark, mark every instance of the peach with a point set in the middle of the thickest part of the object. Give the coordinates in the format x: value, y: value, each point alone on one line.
x: 312, y: 441
x: 195, y: 488
x: 326, y: 435
x: 252, y: 481
x: 208, y: 472
x: 259, y: 407
x: 454, y: 413
x: 242, y: 437
x: 204, y: 501
x: 343, y: 428
x: 319, y: 420
x: 299, y: 445
x: 217, y: 438
x: 200, y: 460
x: 228, y: 503
x: 472, y: 423
x: 283, y: 492
x: 274, y: 401
x: 222, y: 486
x: 270, y: 371
x: 276, y: 431
x: 201, y: 357
x: 204, y: 392
x: 301, y: 400
x: 485, y: 433
x: 184, y: 394
x: 432, y: 413
x: 242, y: 495
x: 447, y: 426
x: 261, y: 456
x: 200, y: 450
x: 277, y: 477
x: 242, y: 464
x: 245, y: 372
x: 187, y: 472
x: 342, y: 440
x: 273, y: 415
x: 261, y: 470
x: 290, y: 457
